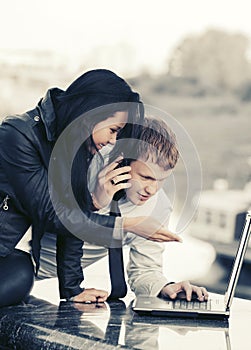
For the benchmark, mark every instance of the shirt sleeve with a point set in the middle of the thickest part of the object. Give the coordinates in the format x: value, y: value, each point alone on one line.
x: 145, y: 266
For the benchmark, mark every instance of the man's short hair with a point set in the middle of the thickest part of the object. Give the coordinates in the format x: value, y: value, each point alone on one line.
x: 153, y: 141
x: 157, y: 142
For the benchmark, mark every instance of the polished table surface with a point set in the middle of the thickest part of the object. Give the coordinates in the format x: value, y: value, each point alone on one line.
x: 46, y: 323
x: 40, y: 324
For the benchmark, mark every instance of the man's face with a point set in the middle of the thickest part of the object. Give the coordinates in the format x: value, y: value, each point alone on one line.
x: 147, y: 179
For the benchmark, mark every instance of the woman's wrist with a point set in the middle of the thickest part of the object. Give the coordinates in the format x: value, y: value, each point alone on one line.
x: 95, y: 203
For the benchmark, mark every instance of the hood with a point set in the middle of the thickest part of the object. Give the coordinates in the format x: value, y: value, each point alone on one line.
x: 47, y: 113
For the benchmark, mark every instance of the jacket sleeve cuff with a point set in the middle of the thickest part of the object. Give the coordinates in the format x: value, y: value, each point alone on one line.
x: 69, y: 295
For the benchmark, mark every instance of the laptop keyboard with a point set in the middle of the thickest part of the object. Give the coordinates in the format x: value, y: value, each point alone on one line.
x: 192, y: 305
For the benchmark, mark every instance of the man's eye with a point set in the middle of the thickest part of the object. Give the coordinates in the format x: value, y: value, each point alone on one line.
x: 113, y: 130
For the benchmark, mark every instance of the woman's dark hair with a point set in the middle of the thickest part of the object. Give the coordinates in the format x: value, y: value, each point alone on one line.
x: 94, y: 96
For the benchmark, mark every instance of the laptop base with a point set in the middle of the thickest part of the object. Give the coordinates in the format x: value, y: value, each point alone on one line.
x: 155, y: 306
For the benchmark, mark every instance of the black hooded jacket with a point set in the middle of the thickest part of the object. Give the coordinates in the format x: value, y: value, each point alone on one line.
x: 28, y: 197
x: 26, y: 143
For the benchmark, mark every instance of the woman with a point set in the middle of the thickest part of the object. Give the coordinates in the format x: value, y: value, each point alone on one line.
x: 45, y: 154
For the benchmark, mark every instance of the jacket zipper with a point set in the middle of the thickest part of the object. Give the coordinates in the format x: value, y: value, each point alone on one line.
x: 4, y: 203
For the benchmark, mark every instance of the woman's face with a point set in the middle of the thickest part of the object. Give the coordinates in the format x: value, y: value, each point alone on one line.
x: 106, y: 132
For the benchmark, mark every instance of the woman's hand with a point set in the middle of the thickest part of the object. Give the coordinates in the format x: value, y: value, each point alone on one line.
x: 91, y: 295
x: 149, y: 228
x: 109, y: 182
x: 97, y: 308
x: 185, y: 288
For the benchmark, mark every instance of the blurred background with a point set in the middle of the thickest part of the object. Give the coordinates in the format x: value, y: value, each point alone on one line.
x: 190, y: 59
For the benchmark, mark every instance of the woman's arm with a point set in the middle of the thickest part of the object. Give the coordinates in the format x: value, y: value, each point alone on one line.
x: 69, y: 270
x: 27, y: 173
x: 26, y: 170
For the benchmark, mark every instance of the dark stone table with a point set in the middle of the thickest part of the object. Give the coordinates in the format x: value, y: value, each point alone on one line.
x: 46, y: 323
x: 40, y: 324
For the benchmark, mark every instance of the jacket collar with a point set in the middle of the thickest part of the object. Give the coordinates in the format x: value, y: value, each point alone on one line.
x: 48, y: 115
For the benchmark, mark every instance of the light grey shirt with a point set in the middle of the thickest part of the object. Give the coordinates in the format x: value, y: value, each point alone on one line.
x: 145, y: 266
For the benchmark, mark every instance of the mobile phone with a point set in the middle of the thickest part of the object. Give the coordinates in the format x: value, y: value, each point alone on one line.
x: 121, y: 164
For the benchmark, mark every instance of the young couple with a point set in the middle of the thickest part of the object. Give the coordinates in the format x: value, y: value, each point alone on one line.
x: 36, y: 191
x: 151, y: 160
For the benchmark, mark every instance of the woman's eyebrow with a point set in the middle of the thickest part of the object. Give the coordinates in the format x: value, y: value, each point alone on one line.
x: 116, y: 127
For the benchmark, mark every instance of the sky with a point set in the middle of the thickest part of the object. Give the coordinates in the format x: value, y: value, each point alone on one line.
x: 129, y: 35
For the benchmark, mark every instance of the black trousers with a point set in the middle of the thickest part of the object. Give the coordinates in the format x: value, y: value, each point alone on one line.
x: 16, y: 277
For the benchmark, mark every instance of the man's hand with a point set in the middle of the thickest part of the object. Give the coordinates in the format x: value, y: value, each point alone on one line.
x: 91, y: 295
x: 149, y: 228
x: 172, y: 290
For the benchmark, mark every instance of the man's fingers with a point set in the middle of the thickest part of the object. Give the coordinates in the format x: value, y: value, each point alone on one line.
x: 205, y: 293
x: 165, y: 237
x: 168, y: 236
x: 185, y: 290
x: 193, y: 291
x: 172, y: 237
x: 188, y: 292
x: 201, y: 293
x: 173, y: 295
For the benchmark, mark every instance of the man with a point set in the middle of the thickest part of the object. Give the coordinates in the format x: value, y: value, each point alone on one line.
x: 154, y: 158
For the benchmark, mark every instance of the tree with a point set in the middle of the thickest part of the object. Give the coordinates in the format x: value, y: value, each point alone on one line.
x: 215, y: 58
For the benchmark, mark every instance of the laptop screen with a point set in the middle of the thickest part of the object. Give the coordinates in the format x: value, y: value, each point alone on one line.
x: 238, y: 260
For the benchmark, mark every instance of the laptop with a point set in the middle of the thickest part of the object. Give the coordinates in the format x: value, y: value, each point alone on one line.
x: 217, y: 307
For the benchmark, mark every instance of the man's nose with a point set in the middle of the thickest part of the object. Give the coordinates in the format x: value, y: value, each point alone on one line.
x: 151, y: 189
